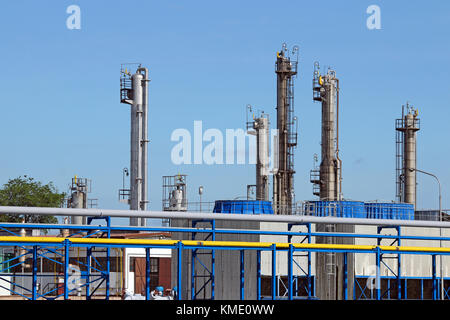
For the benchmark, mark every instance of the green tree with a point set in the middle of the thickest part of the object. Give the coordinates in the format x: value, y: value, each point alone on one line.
x: 26, y: 192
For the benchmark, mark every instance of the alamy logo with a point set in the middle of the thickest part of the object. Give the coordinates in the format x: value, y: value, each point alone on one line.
x: 212, y: 146
x: 371, y: 282
x: 73, y: 281
x: 74, y: 20
x: 374, y: 20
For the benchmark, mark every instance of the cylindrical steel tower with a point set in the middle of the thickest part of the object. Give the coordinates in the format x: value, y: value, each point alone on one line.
x: 134, y: 91
x: 326, y: 90
x: 260, y: 126
x: 283, y: 179
x: 328, y: 182
x: 406, y: 128
x: 78, y: 197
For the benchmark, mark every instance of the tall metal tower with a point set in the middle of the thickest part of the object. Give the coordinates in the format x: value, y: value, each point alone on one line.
x: 328, y: 179
x: 134, y: 91
x: 259, y: 126
x: 327, y: 184
x: 406, y: 155
x: 283, y: 179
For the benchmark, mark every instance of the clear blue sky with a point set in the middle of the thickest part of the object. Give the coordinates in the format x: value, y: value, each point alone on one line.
x: 61, y: 114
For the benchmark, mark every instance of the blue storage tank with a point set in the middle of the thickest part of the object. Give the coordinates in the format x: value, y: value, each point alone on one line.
x: 243, y: 206
x: 343, y: 209
x: 391, y: 210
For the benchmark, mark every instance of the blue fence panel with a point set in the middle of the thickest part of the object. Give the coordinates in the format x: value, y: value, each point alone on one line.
x: 346, y: 209
x: 358, y: 209
x: 391, y: 210
x: 243, y: 207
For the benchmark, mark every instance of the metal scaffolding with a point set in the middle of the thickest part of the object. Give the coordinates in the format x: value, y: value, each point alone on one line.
x: 51, y: 247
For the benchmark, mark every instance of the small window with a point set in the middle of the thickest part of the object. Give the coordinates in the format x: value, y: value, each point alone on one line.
x: 154, y: 265
x: 132, y: 264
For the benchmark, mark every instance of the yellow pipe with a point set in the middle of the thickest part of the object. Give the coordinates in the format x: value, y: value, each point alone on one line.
x: 220, y: 244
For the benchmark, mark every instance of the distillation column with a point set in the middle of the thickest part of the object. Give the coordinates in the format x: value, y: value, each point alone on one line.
x: 326, y: 90
x: 407, y: 127
x: 328, y: 179
x: 260, y: 126
x: 283, y: 179
x: 134, y: 91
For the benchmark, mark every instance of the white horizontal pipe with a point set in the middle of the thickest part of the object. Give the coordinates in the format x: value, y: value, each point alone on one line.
x: 217, y: 216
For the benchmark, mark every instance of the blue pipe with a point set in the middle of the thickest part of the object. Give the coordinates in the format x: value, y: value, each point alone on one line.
x: 274, y: 272
x: 242, y: 275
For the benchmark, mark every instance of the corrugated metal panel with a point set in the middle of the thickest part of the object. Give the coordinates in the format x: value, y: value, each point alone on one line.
x: 357, y: 209
x: 243, y: 206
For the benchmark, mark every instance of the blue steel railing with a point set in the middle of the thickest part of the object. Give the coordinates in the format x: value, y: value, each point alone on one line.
x: 41, y: 249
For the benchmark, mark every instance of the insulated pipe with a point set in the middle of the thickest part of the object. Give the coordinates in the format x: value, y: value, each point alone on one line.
x: 136, y: 148
x: 217, y: 216
x: 144, y: 163
x: 261, y: 125
x: 338, y: 160
x: 223, y: 244
x: 410, y: 157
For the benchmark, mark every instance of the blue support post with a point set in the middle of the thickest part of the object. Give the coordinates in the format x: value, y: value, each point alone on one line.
x: 107, y: 273
x: 258, y: 275
x: 66, y: 268
x: 242, y: 282
x: 108, y: 254
x: 290, y: 258
x: 421, y: 289
x: 433, y: 270
x: 88, y: 272
x: 345, y: 277
x: 406, y: 289
x: 378, y: 282
x: 213, y: 261
x: 310, y: 290
x: 193, y: 255
x: 34, y: 285
x: 274, y: 272
x: 147, y: 273
x: 179, y: 268
x: 399, y: 270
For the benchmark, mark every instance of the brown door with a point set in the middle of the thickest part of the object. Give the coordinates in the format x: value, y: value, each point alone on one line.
x: 164, y: 272
x: 139, y: 276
